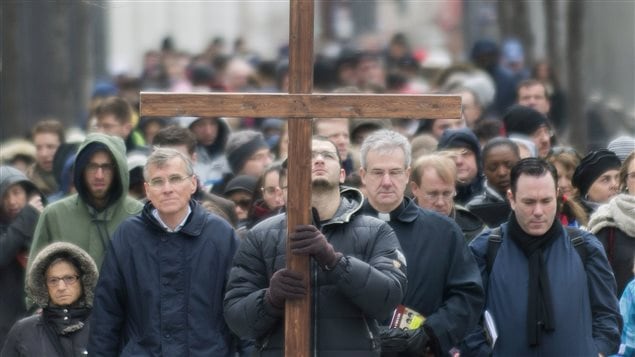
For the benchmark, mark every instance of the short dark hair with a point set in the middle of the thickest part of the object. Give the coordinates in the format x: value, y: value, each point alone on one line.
x: 175, y: 135
x: 50, y: 125
x: 499, y: 141
x: 532, y: 166
x: 530, y: 83
x: 116, y: 106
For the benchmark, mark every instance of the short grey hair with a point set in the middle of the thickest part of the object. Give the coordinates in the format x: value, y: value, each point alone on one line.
x: 385, y: 141
x: 160, y: 156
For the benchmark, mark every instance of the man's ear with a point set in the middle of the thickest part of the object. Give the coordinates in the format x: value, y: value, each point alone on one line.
x: 510, y: 198
x: 362, y: 175
x: 342, y: 175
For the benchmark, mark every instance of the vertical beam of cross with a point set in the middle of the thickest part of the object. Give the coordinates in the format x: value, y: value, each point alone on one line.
x: 298, y: 312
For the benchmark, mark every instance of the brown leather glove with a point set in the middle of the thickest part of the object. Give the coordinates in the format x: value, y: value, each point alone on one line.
x: 285, y: 284
x: 307, y: 239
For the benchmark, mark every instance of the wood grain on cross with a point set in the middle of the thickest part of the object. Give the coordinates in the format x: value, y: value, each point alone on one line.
x: 301, y: 106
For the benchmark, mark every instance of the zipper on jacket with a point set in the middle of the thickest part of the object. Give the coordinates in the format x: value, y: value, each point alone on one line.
x: 373, y: 343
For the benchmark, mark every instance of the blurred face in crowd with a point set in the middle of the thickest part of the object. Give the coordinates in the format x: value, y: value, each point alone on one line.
x: 169, y: 187
x: 534, y: 203
x: 385, y: 178
x: 542, y: 139
x: 205, y: 130
x: 46, y: 145
x: 630, y: 178
x: 108, y: 124
x: 497, y: 167
x: 271, y: 192
x: 242, y: 201
x: 441, y: 125
x: 62, y: 281
x: 326, y: 171
x: 98, y: 176
x: 534, y: 96
x: 604, y: 187
x: 471, y: 109
x: 13, y: 201
x: 564, y: 180
x: 257, y: 162
x: 433, y: 193
x: 466, y: 167
x: 337, y: 131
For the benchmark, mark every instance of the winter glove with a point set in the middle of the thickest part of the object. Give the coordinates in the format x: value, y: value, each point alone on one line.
x: 411, y: 342
x: 285, y: 284
x: 307, y: 239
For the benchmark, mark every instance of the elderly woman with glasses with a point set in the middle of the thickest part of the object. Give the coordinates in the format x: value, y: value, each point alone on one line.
x: 614, y: 225
x: 432, y: 182
x: 61, y: 281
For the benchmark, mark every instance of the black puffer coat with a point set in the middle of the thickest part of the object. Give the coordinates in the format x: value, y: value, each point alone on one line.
x: 365, y: 286
x: 58, y: 331
x: 15, y: 239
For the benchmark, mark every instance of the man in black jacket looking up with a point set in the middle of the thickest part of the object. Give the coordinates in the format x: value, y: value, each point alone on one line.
x: 444, y: 283
x: 357, y: 270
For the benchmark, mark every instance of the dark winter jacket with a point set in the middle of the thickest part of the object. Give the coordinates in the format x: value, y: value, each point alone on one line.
x: 614, y: 225
x: 585, y: 308
x: 15, y: 239
x: 490, y: 207
x: 444, y: 284
x: 59, y: 331
x: 364, y: 287
x: 470, y: 224
x: 161, y: 293
x: 74, y: 220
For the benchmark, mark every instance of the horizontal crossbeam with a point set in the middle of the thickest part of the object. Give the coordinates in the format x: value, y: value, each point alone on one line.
x: 283, y: 105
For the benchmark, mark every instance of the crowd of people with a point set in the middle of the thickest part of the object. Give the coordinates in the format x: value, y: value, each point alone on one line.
x: 168, y: 236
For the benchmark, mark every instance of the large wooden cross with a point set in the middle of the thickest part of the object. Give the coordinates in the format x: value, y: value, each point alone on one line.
x: 301, y: 106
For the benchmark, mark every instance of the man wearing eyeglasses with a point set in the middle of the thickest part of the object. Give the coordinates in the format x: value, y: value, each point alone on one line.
x: 89, y: 217
x: 161, y: 286
x: 444, y: 284
x: 357, y: 270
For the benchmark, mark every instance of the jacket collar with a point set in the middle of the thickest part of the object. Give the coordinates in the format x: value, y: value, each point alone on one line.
x: 406, y: 212
x: 193, y: 226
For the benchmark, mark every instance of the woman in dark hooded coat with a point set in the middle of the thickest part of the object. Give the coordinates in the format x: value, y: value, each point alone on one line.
x: 61, y: 281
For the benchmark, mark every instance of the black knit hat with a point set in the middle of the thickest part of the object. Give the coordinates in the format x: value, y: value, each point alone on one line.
x: 593, y: 166
x: 523, y: 120
x: 460, y: 138
x: 241, y: 183
x: 238, y: 156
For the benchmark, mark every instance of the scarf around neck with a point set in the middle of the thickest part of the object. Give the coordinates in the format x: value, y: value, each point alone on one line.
x: 619, y: 212
x: 539, y: 304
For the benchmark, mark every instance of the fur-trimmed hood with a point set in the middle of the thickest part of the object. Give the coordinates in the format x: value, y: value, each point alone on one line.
x: 35, y: 281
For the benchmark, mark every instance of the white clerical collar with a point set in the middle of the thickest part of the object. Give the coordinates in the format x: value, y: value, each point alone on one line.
x: 155, y: 214
x: 383, y: 216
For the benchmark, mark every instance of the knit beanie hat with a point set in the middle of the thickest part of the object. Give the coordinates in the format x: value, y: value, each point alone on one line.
x: 241, y: 183
x: 523, y: 120
x: 593, y: 166
x: 622, y: 146
x: 238, y: 156
x: 460, y: 138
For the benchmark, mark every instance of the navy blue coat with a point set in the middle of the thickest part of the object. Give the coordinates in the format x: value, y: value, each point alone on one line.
x: 160, y: 293
x: 444, y: 283
x: 585, y: 307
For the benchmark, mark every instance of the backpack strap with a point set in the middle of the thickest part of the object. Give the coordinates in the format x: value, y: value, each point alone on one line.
x: 577, y: 240
x: 493, y: 243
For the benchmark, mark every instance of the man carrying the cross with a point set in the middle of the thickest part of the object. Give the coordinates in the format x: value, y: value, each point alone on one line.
x: 357, y: 270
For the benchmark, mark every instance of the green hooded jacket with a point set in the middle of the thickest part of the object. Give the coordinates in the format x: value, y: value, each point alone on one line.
x: 73, y: 220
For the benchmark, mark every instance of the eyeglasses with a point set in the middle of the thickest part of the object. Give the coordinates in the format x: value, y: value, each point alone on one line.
x: 173, y: 180
x: 434, y: 196
x: 329, y: 155
x: 68, y: 280
x: 393, y: 174
x: 106, y: 168
x: 270, y: 190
